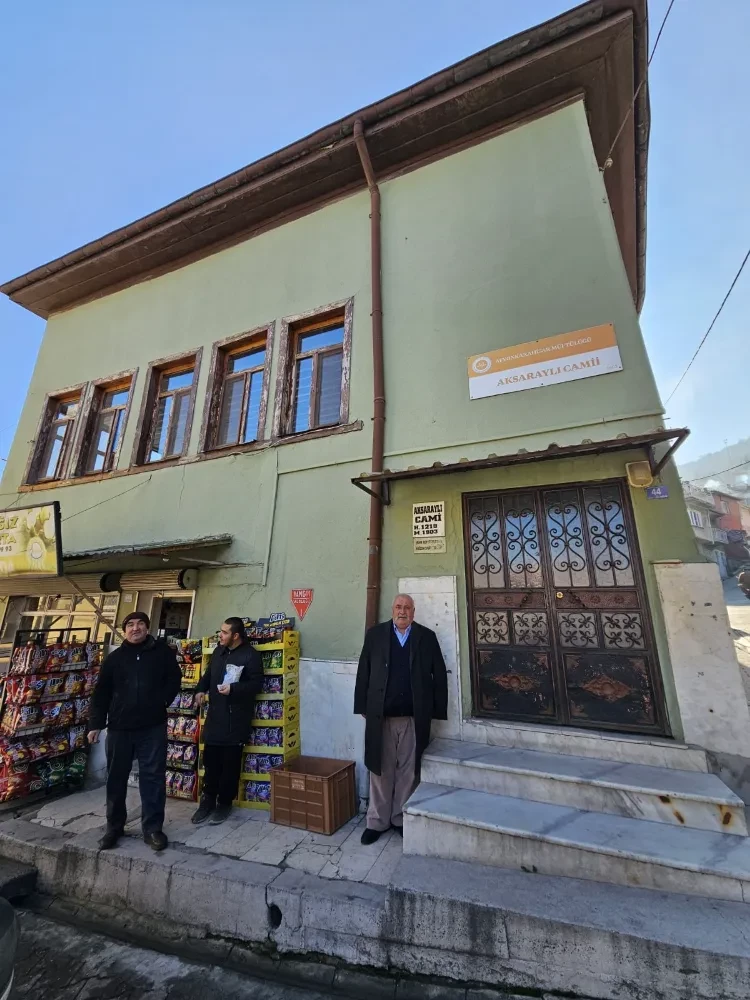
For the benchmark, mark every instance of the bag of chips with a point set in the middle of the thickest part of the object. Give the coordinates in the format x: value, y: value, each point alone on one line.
x: 75, y: 685
x: 54, y: 686
x: 77, y: 737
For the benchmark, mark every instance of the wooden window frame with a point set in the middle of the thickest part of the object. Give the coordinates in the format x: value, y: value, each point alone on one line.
x: 172, y: 365
x: 221, y: 352
x: 292, y: 327
x: 98, y: 389
x: 41, y: 438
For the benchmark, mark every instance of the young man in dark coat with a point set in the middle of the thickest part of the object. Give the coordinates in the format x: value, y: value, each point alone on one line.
x: 232, y: 679
x: 401, y: 687
x: 136, y: 684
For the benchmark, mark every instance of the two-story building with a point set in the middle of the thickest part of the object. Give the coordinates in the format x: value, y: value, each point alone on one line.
x: 430, y: 303
x: 704, y: 519
x: 730, y: 507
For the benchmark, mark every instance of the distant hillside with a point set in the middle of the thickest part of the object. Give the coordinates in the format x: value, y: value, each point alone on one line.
x: 713, y: 464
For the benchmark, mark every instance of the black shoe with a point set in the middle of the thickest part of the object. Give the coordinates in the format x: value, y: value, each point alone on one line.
x: 221, y: 813
x: 110, y: 839
x: 399, y: 829
x: 370, y: 836
x: 156, y: 841
x: 204, y: 810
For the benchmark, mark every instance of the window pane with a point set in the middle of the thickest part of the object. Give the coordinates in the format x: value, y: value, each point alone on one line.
x: 67, y: 409
x: 183, y: 380
x: 231, y: 410
x: 302, y: 387
x: 252, y: 430
x: 100, y: 443
x: 161, y: 428
x: 116, y: 432
x: 176, y: 441
x: 323, y: 338
x: 329, y: 397
x: 118, y: 397
x: 243, y: 362
x: 53, y: 451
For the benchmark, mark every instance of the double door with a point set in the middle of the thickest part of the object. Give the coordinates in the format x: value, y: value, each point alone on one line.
x: 559, y: 624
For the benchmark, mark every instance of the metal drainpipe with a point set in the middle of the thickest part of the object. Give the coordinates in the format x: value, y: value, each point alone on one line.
x: 375, y: 535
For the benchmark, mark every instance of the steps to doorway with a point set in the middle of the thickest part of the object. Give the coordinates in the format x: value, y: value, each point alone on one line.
x: 680, y: 798
x: 628, y: 748
x: 582, y: 817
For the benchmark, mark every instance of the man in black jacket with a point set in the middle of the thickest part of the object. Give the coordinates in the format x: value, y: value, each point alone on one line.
x: 232, y: 679
x: 136, y: 684
x: 401, y: 687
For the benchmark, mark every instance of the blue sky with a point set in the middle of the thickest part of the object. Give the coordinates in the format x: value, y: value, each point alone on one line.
x: 113, y: 110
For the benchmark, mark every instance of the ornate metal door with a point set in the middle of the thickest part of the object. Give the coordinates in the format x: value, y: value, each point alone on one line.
x: 560, y: 628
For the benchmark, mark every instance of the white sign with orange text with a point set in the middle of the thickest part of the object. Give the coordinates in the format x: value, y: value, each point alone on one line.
x: 562, y: 358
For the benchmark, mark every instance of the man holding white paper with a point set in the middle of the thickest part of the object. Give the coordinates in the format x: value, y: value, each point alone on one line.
x: 232, y: 679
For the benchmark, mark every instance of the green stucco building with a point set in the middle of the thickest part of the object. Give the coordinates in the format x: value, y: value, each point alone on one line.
x: 203, y: 400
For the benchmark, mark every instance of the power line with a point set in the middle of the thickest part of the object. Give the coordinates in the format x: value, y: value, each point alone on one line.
x: 608, y: 157
x: 101, y: 502
x: 705, y: 336
x: 720, y: 472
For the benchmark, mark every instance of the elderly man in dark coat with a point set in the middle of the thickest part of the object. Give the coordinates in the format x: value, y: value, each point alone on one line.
x: 401, y: 687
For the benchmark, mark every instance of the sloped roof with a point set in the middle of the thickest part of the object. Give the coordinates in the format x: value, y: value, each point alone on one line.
x: 597, y: 51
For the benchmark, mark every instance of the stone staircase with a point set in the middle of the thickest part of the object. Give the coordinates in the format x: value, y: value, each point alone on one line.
x: 607, y: 818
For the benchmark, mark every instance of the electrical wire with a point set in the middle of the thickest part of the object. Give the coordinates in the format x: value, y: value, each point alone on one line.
x: 713, y: 321
x: 608, y: 157
x: 711, y: 475
x: 102, y: 502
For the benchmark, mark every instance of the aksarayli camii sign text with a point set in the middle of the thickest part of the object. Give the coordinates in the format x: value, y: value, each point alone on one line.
x: 563, y: 358
x: 428, y: 519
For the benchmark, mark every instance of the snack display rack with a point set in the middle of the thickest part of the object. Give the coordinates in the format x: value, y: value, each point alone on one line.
x: 44, y: 712
x: 276, y: 722
x: 183, y: 724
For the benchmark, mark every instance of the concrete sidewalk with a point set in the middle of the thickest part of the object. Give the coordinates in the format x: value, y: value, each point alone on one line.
x: 247, y: 835
x: 248, y: 884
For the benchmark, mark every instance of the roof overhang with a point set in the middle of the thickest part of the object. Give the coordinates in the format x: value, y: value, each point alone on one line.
x: 648, y: 442
x: 156, y: 549
x: 597, y: 51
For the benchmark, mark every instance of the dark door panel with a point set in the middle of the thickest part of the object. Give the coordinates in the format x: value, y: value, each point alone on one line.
x: 560, y: 629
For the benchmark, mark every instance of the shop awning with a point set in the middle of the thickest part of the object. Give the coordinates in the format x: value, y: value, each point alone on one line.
x: 98, y: 583
x: 153, y: 548
x: 673, y: 437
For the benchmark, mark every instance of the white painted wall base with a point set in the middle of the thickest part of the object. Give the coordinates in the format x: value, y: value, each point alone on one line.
x: 436, y: 608
x: 329, y: 726
x: 710, y: 694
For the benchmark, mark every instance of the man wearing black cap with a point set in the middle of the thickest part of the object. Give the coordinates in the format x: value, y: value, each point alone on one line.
x: 136, y: 684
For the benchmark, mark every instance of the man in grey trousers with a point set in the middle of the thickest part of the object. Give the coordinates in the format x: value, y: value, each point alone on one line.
x: 401, y: 687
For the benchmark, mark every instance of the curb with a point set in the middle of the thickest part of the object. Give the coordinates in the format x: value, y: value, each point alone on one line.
x: 318, y: 973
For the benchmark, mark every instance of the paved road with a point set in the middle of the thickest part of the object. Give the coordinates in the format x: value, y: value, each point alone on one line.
x: 738, y: 608
x: 58, y: 962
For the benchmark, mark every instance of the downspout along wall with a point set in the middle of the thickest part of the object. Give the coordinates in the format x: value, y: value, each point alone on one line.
x: 375, y: 533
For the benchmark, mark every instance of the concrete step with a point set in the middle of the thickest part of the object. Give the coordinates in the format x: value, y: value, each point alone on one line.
x: 680, y: 798
x: 467, y: 825
x: 624, y: 747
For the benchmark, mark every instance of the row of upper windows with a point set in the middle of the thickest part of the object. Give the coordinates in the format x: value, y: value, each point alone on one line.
x: 82, y: 428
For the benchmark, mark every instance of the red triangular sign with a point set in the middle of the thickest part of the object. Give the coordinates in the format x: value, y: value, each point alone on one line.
x: 302, y: 599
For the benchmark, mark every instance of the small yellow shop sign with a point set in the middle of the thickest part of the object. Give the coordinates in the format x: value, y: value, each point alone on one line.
x: 30, y: 541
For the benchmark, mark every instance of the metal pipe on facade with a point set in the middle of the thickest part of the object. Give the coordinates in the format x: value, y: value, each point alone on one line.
x: 375, y: 534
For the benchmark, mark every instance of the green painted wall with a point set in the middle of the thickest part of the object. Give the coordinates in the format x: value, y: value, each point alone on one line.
x: 496, y: 245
